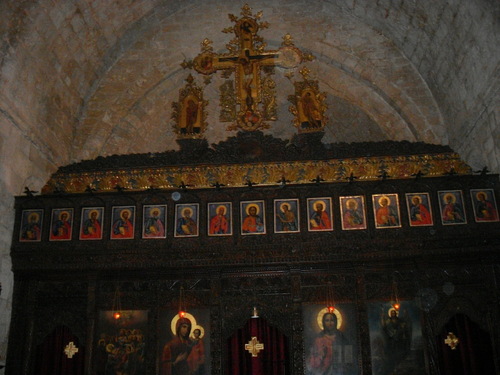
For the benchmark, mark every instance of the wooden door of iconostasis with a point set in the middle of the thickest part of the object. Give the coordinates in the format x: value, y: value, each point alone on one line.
x: 257, y: 349
x: 60, y: 353
x: 464, y: 348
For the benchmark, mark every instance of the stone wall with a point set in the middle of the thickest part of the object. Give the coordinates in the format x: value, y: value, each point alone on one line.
x: 80, y: 79
x: 23, y: 163
x: 454, y: 46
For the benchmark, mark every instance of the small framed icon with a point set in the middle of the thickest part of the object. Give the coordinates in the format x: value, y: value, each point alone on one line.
x: 386, y: 211
x: 252, y: 218
x: 484, y: 205
x: 286, y: 216
x: 122, y: 222
x: 220, y: 219
x: 319, y: 213
x: 419, y: 209
x: 31, y: 225
x: 153, y: 221
x: 451, y: 205
x: 91, y: 223
x: 186, y: 220
x: 61, y: 225
x: 353, y: 212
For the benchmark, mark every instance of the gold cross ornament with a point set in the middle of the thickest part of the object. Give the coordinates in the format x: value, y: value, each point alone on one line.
x: 254, y: 347
x: 70, y: 350
x: 452, y: 340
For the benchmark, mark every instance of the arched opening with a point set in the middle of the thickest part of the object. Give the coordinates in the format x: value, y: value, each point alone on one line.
x: 257, y: 348
x: 464, y: 348
x: 60, y: 353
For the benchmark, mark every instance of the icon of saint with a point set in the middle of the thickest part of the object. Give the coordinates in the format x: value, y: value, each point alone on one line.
x: 452, y: 212
x: 485, y: 208
x: 154, y: 227
x: 123, y: 227
x: 91, y: 227
x: 330, y: 352
x: 253, y: 223
x: 219, y: 223
x: 311, y: 115
x: 286, y: 218
x: 320, y: 218
x: 31, y: 230
x: 386, y: 215
x: 353, y: 215
x: 186, y: 226
x: 419, y: 212
x: 61, y: 229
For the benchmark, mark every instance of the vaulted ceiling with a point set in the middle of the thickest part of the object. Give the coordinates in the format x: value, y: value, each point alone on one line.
x: 87, y: 78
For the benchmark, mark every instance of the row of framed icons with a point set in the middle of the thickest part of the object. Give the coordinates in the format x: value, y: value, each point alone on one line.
x: 386, y: 211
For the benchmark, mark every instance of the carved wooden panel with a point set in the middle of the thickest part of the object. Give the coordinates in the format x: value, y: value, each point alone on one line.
x: 441, y: 268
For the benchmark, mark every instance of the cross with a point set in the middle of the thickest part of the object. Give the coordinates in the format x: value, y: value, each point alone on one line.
x: 70, y: 350
x: 254, y: 347
x: 246, y: 57
x: 452, y: 340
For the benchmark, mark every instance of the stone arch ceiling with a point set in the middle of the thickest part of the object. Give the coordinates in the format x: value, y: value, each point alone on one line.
x: 353, y: 63
x: 99, y: 77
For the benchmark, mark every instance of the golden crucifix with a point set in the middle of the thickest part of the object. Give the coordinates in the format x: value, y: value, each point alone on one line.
x: 247, y: 57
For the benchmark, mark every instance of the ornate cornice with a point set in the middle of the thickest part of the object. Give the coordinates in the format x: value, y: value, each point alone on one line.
x: 262, y: 173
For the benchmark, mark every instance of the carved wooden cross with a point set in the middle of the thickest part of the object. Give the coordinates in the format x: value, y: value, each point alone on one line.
x: 254, y: 347
x: 246, y: 58
x: 70, y: 350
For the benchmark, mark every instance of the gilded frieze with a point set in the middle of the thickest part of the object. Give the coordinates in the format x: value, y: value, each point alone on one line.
x: 264, y: 173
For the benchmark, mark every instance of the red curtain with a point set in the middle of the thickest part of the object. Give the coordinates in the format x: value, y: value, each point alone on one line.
x: 50, y: 356
x: 472, y: 356
x: 272, y: 360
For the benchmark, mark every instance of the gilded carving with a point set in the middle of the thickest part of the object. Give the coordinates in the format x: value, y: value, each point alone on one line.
x: 264, y: 173
x: 247, y: 57
x: 308, y: 105
x: 227, y: 102
x: 269, y: 98
x: 189, y: 112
